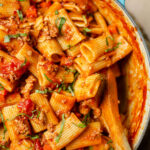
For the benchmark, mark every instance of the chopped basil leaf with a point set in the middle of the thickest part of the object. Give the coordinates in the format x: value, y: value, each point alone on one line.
x: 1, y: 5
x: 110, y: 37
x: 56, y: 12
x: 4, y: 147
x: 91, y: 148
x: 112, y: 49
x: 111, y: 148
x: 47, y: 78
x: 33, y: 137
x: 69, y: 46
x: 107, y: 43
x: 8, y: 37
x: 70, y: 88
x: 24, y: 63
x: 59, y: 90
x: 86, y: 30
x: 80, y: 125
x: 21, y: 0
x: 70, y: 70
x: 43, y: 91
x: 61, y: 129
x: 38, y: 115
x: 20, y: 15
x: 1, y: 87
x: 61, y: 23
x: 84, y: 17
x: 3, y: 121
x: 85, y: 121
x: 110, y: 141
x: 62, y: 87
x: 22, y: 114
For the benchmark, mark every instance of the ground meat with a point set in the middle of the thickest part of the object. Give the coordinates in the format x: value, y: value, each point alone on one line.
x: 83, y: 108
x: 50, y: 127
x: 68, y: 34
x: 22, y: 126
x: 51, y: 68
x: 40, y: 117
x: 29, y: 86
x: 53, y: 30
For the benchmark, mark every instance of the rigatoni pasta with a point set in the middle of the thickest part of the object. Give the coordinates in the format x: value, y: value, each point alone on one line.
x: 59, y: 61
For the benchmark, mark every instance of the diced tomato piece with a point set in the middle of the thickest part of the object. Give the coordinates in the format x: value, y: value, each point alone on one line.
x: 14, y: 67
x: 112, y: 29
x: 45, y: 4
x: 26, y: 106
x: 38, y: 145
x: 47, y: 147
x: 67, y: 61
x: 31, y: 12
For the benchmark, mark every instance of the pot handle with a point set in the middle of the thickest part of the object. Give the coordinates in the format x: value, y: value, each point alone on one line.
x: 122, y: 2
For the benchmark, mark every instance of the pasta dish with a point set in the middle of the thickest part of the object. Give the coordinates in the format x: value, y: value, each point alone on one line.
x: 60, y: 62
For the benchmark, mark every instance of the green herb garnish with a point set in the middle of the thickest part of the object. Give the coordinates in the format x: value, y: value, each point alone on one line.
x: 47, y: 78
x: 22, y: 114
x: 85, y: 121
x: 70, y: 89
x: 38, y: 113
x: 110, y: 146
x: 3, y: 121
x: 33, y: 137
x: 109, y: 37
x: 86, y: 30
x: 61, y: 23
x: 44, y: 91
x: 80, y: 125
x: 7, y: 38
x: 4, y: 147
x: 21, y: 0
x: 1, y: 5
x: 110, y: 141
x: 24, y: 63
x: 91, y: 148
x: 56, y: 12
x: 61, y: 129
x: 112, y: 49
x: 20, y: 15
x: 70, y: 70
x: 1, y: 87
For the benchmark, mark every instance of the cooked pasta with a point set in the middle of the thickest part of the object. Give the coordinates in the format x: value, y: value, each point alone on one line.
x: 59, y: 60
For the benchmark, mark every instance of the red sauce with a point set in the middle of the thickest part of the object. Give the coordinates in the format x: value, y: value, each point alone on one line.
x: 67, y: 61
x: 38, y: 145
x: 45, y: 4
x: 68, y: 34
x: 15, y: 67
x: 31, y: 12
x: 26, y: 106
